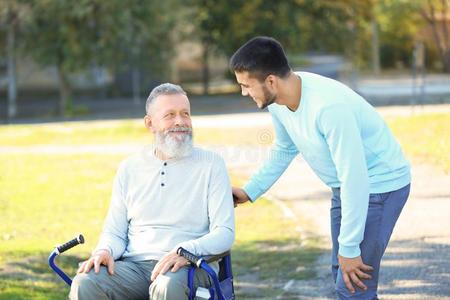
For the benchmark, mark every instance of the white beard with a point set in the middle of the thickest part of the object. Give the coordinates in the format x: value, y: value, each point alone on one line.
x: 175, y: 145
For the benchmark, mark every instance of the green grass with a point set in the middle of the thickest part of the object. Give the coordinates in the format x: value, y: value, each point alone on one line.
x: 45, y: 197
x: 425, y: 138
x: 74, y: 133
x: 119, y: 132
x: 29, y: 278
x: 46, y: 200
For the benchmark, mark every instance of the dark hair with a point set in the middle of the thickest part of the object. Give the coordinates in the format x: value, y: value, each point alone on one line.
x: 260, y: 57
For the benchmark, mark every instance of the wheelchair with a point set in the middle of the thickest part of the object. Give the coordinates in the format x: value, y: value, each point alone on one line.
x: 222, y: 288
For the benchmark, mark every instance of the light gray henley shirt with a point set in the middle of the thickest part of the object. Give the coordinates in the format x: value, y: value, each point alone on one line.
x: 158, y: 206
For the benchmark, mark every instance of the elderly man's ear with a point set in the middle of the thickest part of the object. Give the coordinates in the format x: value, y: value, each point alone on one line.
x: 148, y: 122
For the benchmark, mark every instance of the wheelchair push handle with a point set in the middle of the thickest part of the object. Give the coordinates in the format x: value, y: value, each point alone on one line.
x: 70, y: 244
x: 193, y: 259
x: 60, y: 249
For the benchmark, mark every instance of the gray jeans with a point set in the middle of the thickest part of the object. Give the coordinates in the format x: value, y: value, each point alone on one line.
x: 131, y: 280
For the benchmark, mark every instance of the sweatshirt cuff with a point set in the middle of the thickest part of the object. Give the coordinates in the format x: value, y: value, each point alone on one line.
x: 252, y: 191
x: 188, y: 245
x: 349, y: 251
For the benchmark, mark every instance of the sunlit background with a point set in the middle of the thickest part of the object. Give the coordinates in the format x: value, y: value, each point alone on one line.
x: 74, y: 77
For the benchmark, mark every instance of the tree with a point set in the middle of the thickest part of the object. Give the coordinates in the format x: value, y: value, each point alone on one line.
x: 338, y: 26
x: 12, y: 12
x: 12, y: 20
x: 221, y: 27
x: 59, y: 34
x: 144, y: 39
x: 398, y: 24
x: 437, y: 14
x: 76, y: 35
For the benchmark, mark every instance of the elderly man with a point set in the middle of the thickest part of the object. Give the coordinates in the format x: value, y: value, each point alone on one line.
x: 169, y: 196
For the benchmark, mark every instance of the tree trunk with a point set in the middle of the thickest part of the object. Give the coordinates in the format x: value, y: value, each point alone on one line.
x: 174, y: 70
x: 65, y: 92
x: 447, y: 62
x: 375, y: 47
x: 446, y: 35
x: 136, y: 85
x: 12, y: 82
x: 205, y: 74
x: 442, y: 43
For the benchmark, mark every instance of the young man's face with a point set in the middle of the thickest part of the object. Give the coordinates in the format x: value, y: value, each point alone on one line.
x: 260, y: 92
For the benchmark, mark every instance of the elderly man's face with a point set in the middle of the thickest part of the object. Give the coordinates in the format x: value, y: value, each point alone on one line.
x: 170, y: 120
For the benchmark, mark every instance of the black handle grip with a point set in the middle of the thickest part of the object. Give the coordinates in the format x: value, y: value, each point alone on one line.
x: 194, y: 259
x: 70, y: 244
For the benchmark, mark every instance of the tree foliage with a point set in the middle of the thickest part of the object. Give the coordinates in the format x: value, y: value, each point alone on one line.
x: 76, y: 35
x: 142, y: 35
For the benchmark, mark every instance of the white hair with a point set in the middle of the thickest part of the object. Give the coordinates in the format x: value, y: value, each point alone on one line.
x: 162, y: 89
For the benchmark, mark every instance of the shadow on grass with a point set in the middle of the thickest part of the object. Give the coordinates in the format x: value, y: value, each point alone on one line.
x: 262, y: 268
x: 32, y: 278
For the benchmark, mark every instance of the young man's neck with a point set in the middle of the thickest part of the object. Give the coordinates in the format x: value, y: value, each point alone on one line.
x: 290, y: 92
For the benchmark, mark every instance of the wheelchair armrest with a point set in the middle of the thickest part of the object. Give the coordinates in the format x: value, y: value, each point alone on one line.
x: 197, y: 260
x: 217, y: 257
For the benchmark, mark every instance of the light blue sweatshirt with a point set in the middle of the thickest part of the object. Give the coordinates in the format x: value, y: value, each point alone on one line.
x: 346, y: 143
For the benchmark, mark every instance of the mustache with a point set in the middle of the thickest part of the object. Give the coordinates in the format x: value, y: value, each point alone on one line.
x: 179, y: 129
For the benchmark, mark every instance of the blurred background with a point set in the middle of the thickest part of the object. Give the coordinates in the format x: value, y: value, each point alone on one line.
x: 74, y: 77
x: 70, y: 59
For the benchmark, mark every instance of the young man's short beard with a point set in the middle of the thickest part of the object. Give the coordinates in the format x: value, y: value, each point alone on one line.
x: 268, y: 98
x: 175, y: 146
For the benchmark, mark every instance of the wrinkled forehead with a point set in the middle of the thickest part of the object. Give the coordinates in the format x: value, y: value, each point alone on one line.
x: 171, y: 102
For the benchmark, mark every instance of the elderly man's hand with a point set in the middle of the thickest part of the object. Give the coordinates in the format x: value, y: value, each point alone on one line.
x: 170, y: 261
x: 352, y: 272
x: 100, y: 257
x: 239, y: 196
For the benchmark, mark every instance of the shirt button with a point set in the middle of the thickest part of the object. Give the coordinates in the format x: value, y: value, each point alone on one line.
x: 162, y: 184
x: 165, y: 164
x: 162, y: 173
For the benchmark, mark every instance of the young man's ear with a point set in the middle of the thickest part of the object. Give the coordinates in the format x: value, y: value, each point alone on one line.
x: 271, y: 81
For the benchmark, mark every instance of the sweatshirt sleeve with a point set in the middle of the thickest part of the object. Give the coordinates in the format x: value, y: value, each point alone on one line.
x: 342, y: 133
x: 221, y: 215
x: 282, y: 153
x: 115, y: 228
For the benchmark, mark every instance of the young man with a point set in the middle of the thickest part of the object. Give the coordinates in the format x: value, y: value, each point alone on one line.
x: 168, y: 196
x: 346, y: 143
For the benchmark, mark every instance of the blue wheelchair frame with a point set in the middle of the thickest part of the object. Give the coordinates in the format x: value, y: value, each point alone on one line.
x: 222, y: 288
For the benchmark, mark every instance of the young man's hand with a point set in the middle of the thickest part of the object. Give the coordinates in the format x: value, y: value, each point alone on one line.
x: 100, y: 257
x: 239, y: 196
x: 171, y: 261
x: 353, y: 272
